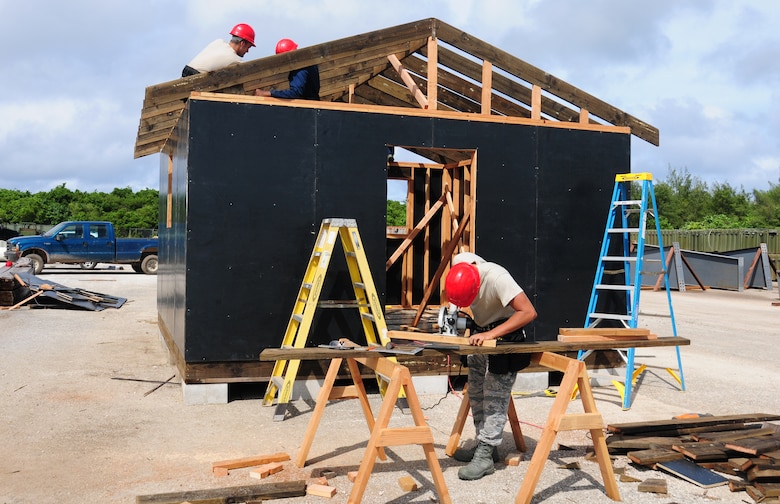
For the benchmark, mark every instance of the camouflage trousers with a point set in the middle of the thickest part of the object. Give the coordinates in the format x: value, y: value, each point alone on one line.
x: 489, y: 396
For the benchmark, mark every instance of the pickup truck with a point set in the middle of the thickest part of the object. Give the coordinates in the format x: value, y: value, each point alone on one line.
x: 86, y: 243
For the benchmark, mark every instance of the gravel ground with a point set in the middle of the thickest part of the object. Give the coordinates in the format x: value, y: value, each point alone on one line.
x: 81, y: 421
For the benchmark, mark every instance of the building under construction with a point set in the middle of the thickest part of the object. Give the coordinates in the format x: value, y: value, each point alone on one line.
x: 518, y: 168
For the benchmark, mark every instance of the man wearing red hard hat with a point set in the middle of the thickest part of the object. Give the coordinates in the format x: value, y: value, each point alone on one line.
x: 501, y: 309
x: 304, y: 82
x: 220, y: 54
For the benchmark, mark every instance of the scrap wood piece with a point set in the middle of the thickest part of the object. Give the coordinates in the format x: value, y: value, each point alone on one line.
x: 763, y: 470
x: 684, y: 424
x: 513, y: 459
x: 693, y: 473
x: 653, y: 485
x: 320, y: 490
x: 738, y: 485
x: 740, y: 463
x: 755, y: 446
x: 702, y: 451
x: 265, y: 491
x: 618, y: 443
x: 408, y: 484
x: 266, y: 470
x: 652, y: 456
x: 768, y: 489
x: 219, y: 467
x: 731, y: 435
x: 25, y: 300
x: 721, y: 467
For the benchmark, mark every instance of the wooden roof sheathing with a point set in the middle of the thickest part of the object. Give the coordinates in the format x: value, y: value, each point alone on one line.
x: 471, y: 77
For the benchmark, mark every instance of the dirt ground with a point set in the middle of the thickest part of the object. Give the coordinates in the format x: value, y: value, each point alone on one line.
x: 82, y: 418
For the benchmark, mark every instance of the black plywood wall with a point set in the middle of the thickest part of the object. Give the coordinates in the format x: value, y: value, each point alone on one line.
x: 252, y: 183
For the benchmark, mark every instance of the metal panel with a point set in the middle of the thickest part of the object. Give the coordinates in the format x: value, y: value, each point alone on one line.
x: 761, y: 276
x: 714, y: 270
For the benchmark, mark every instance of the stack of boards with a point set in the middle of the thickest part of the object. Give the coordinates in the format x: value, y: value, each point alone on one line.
x: 742, y: 451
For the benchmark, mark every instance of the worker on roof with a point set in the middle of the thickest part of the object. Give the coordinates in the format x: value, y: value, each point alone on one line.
x: 501, y: 309
x: 220, y: 54
x: 304, y: 83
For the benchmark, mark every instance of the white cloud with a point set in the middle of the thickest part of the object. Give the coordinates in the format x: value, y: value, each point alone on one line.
x: 703, y: 72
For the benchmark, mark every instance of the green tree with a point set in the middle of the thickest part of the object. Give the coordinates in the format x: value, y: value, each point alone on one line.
x: 767, y: 206
x: 396, y: 213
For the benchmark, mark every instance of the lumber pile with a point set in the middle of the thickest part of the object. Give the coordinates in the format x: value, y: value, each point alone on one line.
x: 741, y: 451
x: 12, y: 287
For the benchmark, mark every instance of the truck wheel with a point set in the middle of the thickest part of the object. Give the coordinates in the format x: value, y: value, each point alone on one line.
x: 88, y: 265
x: 37, y: 262
x: 149, y: 265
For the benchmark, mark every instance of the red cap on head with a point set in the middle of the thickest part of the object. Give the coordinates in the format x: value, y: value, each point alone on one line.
x: 285, y: 45
x: 462, y: 284
x: 245, y: 32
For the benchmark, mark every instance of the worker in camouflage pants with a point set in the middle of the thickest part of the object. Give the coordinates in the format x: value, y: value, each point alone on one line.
x: 501, y: 309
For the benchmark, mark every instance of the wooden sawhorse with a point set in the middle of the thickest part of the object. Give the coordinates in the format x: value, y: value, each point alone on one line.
x: 575, y: 375
x: 381, y: 436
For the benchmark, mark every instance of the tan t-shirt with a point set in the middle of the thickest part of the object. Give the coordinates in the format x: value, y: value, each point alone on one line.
x: 497, y: 289
x: 214, y: 56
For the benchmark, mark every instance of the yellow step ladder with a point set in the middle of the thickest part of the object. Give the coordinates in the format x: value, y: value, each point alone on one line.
x: 366, y: 301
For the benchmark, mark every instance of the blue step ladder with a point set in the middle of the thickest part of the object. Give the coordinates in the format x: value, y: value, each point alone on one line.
x: 614, y: 299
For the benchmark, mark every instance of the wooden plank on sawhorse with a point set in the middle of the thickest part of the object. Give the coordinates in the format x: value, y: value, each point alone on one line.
x: 400, y: 380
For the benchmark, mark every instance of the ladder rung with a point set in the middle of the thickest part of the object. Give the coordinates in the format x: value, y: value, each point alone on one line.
x: 342, y: 304
x: 623, y: 230
x: 367, y: 316
x: 360, y: 285
x: 298, y: 317
x: 628, y: 202
x: 615, y: 287
x: 618, y: 258
x: 278, y: 382
x: 350, y: 254
x: 609, y: 316
x: 306, y: 285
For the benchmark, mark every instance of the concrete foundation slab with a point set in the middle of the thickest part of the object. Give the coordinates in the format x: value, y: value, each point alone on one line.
x: 530, y: 382
x: 204, y: 393
x: 434, y: 385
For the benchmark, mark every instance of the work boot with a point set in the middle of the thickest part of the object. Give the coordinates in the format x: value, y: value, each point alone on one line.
x: 466, y: 454
x: 481, y: 465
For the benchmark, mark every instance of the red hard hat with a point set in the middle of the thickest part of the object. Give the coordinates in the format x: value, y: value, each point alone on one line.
x: 462, y: 284
x: 285, y: 45
x: 245, y: 32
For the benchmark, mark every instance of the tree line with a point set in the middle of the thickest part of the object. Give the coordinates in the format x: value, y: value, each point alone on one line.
x: 123, y: 207
x: 686, y: 202
x: 683, y: 200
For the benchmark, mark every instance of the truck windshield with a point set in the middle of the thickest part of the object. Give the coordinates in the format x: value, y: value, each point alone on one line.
x: 56, y: 229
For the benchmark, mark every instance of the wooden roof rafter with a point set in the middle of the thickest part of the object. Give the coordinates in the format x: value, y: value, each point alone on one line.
x: 360, y: 69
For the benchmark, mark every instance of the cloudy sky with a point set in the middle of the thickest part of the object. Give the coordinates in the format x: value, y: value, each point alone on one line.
x: 705, y: 72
